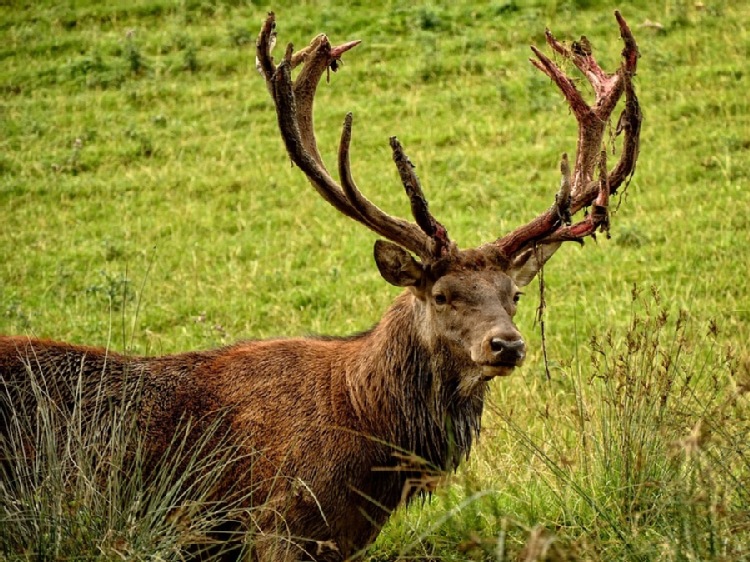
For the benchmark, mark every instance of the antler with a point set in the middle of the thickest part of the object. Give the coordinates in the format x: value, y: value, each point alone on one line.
x: 578, y: 190
x: 294, y: 108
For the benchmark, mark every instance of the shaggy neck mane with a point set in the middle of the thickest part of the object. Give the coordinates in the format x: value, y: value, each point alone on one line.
x: 405, y: 390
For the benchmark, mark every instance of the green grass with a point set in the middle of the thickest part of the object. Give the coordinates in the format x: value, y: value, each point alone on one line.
x: 73, y: 484
x: 147, y: 203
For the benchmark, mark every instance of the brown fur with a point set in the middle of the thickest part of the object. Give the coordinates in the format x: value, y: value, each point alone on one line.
x: 337, y: 431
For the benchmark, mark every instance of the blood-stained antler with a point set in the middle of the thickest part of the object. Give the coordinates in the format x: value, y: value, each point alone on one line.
x: 578, y: 188
x: 539, y: 238
x: 294, y: 107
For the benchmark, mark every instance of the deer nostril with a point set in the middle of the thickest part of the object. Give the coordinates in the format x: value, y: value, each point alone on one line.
x: 499, y: 345
x: 517, y: 345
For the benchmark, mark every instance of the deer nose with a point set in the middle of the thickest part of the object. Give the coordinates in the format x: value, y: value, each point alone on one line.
x: 508, y: 351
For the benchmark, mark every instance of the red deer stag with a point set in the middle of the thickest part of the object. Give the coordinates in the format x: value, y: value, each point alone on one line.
x: 351, y: 423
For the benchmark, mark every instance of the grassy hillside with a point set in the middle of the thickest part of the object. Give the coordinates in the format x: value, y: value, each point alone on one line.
x: 148, y: 205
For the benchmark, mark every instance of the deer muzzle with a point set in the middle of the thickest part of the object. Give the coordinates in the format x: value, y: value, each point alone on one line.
x: 499, y: 354
x: 510, y: 352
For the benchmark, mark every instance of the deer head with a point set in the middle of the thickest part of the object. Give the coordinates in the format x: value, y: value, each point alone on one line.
x: 465, y: 299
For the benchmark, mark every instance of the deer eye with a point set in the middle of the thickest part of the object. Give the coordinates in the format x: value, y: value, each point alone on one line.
x: 517, y: 297
x: 440, y: 298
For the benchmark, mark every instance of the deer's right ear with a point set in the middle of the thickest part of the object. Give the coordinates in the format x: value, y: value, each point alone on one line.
x: 396, y: 265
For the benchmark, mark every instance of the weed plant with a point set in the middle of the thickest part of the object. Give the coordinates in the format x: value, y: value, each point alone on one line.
x: 652, y: 461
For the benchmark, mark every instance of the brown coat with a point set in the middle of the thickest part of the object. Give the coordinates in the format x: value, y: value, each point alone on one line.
x: 328, y: 422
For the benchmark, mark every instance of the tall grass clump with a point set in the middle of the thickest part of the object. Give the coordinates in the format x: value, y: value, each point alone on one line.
x: 76, y: 481
x: 647, y: 457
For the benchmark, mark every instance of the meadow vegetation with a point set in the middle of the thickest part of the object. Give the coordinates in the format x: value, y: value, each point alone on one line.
x: 148, y: 205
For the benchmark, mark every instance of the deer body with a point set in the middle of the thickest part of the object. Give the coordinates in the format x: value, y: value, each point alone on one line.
x: 325, y: 421
x: 332, y: 434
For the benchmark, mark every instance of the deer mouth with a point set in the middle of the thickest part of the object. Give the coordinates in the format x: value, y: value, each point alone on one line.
x: 492, y: 370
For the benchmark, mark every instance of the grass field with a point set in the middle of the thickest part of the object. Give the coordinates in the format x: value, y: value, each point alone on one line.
x: 147, y: 204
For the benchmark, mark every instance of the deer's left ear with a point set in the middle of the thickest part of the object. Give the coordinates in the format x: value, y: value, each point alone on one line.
x: 527, y: 264
x: 396, y: 265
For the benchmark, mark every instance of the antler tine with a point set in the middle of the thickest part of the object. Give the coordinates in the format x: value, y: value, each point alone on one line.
x: 294, y: 107
x: 597, y: 219
x: 629, y: 124
x: 592, y: 121
x: 298, y: 133
x: 307, y: 160
x: 435, y: 231
x: 414, y: 237
x: 263, y: 47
